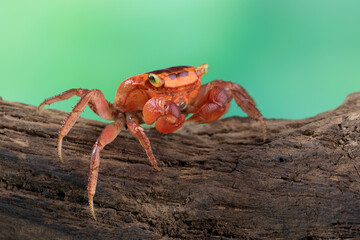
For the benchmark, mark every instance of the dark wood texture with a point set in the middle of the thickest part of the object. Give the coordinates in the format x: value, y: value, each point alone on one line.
x: 218, y: 181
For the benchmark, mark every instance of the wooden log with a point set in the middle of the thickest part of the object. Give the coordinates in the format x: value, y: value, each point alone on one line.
x: 218, y: 181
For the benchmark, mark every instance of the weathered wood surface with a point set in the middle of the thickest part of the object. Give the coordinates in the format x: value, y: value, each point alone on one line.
x: 218, y: 181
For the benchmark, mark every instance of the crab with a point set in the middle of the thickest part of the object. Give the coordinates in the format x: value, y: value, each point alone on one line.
x: 164, y: 97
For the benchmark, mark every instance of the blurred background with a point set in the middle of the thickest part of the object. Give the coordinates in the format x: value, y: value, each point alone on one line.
x: 295, y: 58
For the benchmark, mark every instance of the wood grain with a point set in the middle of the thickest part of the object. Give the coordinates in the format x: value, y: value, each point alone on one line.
x: 218, y: 181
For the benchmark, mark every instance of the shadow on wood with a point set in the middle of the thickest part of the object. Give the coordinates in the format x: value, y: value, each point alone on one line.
x: 218, y: 181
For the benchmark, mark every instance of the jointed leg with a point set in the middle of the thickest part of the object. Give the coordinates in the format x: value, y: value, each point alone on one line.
x: 248, y: 105
x: 138, y: 132
x: 213, y: 101
x: 107, y: 136
x: 94, y: 98
x: 63, y: 96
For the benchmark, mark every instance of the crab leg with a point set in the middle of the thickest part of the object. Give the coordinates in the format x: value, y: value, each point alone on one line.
x: 60, y: 97
x: 138, y: 132
x: 107, y: 136
x: 213, y: 101
x: 94, y: 98
x: 63, y: 96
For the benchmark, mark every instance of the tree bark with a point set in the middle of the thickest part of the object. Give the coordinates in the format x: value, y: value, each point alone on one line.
x: 218, y: 181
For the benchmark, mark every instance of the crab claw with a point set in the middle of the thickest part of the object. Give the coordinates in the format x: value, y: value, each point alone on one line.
x: 167, y: 115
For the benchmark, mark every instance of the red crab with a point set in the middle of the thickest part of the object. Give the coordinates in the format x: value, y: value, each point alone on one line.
x: 163, y: 97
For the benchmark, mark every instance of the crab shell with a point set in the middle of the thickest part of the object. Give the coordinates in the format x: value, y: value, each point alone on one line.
x: 179, y: 84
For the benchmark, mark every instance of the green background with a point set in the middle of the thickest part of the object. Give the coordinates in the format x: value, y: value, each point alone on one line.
x: 296, y: 58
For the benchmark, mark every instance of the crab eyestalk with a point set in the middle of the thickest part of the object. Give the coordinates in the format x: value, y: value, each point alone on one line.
x: 202, y: 69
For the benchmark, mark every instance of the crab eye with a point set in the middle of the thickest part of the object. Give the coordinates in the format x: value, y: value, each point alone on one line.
x: 202, y: 69
x: 206, y: 68
x: 155, y: 80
